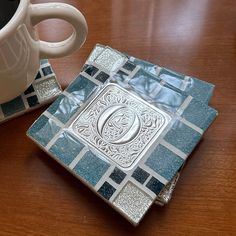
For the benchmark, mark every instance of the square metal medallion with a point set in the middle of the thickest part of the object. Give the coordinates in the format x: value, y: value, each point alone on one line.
x: 120, y: 125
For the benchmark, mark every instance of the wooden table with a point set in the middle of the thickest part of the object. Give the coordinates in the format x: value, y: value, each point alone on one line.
x: 195, y: 37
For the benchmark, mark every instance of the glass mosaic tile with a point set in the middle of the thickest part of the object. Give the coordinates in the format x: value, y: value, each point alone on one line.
x: 140, y: 175
x: 117, y: 175
x: 102, y: 141
x: 44, y: 90
x: 133, y: 202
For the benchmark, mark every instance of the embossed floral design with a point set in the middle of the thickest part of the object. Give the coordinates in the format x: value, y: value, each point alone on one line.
x: 118, y: 124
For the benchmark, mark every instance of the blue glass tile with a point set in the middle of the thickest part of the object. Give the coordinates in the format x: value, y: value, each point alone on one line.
x: 169, y: 98
x: 129, y: 66
x: 29, y: 90
x: 155, y: 185
x: 66, y: 148
x: 91, y: 168
x: 33, y: 101
x: 12, y: 107
x: 47, y: 70
x: 102, y: 77
x: 81, y: 88
x: 106, y: 190
x: 164, y: 162
x: 183, y: 137
x: 63, y: 108
x: 199, y: 114
x: 144, y: 74
x: 117, y: 175
x: 145, y: 83
x: 147, y: 66
x: 91, y: 70
x: 200, y: 90
x: 43, y: 130
x: 140, y: 175
x: 171, y: 77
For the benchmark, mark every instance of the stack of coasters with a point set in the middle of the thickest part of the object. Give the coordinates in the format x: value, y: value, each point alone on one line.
x: 123, y: 131
x: 43, y: 90
x: 199, y: 89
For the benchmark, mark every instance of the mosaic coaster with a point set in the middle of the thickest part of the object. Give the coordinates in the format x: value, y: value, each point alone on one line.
x: 43, y: 90
x: 124, y: 136
x: 191, y: 86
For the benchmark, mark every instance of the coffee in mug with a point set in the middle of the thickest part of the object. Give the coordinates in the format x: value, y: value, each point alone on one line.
x: 20, y: 48
x: 7, y: 10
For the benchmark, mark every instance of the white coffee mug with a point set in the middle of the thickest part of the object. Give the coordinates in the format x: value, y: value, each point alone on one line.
x: 21, y: 50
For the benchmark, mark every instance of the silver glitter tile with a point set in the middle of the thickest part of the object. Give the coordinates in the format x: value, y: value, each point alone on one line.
x: 95, y: 53
x: 110, y: 59
x: 47, y: 88
x: 120, y: 125
x: 133, y: 202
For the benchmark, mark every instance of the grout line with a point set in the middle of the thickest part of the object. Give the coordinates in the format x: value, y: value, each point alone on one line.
x: 112, y: 182
x: 25, y: 101
x: 78, y: 158
x: 147, y: 180
x: 155, y: 174
x: 91, y: 78
x: 105, y: 177
x: 52, y: 117
x: 133, y: 73
x: 193, y: 126
x: 158, y: 70
x: 30, y: 94
x: 72, y: 97
x: 184, y: 105
x: 69, y: 95
x: 184, y: 83
x: 174, y: 149
x: 45, y: 65
x: 53, y: 140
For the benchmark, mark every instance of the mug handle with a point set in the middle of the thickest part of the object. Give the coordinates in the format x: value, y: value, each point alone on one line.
x: 44, y: 11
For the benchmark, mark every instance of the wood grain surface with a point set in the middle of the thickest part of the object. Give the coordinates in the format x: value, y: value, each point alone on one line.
x: 195, y: 37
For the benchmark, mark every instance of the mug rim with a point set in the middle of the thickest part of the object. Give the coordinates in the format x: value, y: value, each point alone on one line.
x: 15, y: 21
